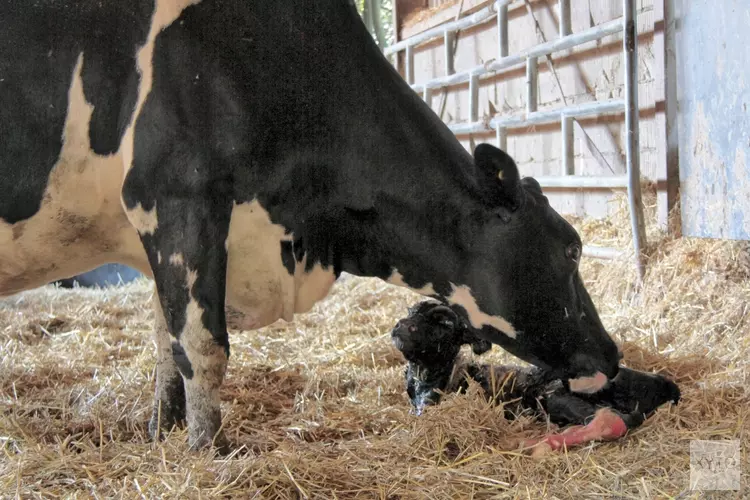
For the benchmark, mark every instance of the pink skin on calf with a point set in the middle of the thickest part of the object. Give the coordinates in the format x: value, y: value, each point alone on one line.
x: 605, y: 426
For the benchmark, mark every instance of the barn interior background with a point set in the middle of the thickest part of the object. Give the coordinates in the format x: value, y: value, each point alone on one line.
x: 552, y: 82
x: 317, y: 407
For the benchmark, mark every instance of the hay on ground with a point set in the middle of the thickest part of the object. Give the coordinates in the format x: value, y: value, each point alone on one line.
x: 316, y: 408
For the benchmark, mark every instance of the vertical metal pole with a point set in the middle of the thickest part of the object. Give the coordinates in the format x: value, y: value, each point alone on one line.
x: 448, y: 41
x: 532, y: 75
x: 565, y: 24
x: 501, y: 134
x: 474, y: 98
x: 427, y: 96
x: 632, y: 146
x: 568, y: 145
x: 502, y: 31
x: 410, y: 64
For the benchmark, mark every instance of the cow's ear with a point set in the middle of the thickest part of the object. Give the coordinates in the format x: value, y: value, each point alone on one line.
x: 500, y: 176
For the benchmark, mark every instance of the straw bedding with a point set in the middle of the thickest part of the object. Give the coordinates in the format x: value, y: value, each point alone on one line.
x: 317, y: 408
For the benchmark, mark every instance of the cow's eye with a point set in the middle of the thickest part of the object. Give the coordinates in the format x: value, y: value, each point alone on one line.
x: 573, y: 252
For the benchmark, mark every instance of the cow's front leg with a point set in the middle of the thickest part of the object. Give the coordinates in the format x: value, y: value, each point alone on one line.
x: 169, y: 397
x: 185, y: 240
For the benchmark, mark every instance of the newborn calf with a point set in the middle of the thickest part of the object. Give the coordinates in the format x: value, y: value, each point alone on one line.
x: 431, y: 337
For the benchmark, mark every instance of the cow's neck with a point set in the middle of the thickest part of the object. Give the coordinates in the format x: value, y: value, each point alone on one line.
x: 365, y: 176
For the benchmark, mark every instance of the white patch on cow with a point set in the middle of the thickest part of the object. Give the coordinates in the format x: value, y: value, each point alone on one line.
x: 396, y: 278
x: 311, y: 286
x: 260, y: 290
x: 80, y: 224
x: 158, y: 257
x: 588, y: 385
x: 144, y: 221
x: 176, y: 259
x: 462, y: 296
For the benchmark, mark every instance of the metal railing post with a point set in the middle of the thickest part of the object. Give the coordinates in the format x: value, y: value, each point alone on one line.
x: 565, y: 24
x: 532, y: 76
x: 474, y: 98
x: 410, y: 64
x: 502, y: 31
x: 632, y: 146
x: 448, y: 41
x: 568, y: 145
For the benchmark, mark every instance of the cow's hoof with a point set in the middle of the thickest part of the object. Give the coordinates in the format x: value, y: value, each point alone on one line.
x: 165, y: 420
x: 158, y: 426
x: 219, y: 442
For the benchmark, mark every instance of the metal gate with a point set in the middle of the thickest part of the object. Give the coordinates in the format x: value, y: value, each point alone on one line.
x: 565, y: 115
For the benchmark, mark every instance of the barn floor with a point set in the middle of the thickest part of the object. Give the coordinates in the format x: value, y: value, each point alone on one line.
x: 317, y: 408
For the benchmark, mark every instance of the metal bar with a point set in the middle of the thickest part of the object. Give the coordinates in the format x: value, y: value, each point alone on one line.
x: 540, y: 117
x: 427, y: 96
x: 597, y: 252
x: 409, y: 65
x: 501, y: 135
x: 448, y: 41
x: 502, y: 31
x: 565, y: 24
x: 532, y: 79
x: 568, y: 145
x: 467, y: 22
x: 584, y: 181
x: 474, y: 98
x: 595, y: 33
x: 630, y: 48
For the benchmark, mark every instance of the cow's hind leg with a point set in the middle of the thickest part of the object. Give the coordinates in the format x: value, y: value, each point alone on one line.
x: 184, y: 238
x: 169, y: 397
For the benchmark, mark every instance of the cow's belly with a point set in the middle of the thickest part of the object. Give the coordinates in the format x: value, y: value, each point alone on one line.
x: 80, y: 223
x: 60, y: 241
x: 260, y: 289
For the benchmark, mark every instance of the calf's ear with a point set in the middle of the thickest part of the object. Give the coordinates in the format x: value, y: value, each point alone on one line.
x: 443, y: 315
x: 499, y: 176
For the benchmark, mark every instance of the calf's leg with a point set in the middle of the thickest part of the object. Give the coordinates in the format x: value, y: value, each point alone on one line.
x: 607, y: 425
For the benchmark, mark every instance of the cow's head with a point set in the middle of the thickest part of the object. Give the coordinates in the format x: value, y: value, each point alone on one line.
x: 526, y: 292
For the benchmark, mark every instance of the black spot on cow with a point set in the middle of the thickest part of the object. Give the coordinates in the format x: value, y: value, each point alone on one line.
x: 182, y: 361
x: 41, y: 43
x: 110, y: 79
x: 287, y: 256
x: 299, y: 250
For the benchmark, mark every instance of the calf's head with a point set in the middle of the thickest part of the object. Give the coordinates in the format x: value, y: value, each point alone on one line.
x: 430, y: 338
x: 429, y: 335
x: 522, y: 286
x: 432, y: 334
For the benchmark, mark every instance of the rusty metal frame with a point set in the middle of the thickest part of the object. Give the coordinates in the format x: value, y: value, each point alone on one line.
x: 529, y: 57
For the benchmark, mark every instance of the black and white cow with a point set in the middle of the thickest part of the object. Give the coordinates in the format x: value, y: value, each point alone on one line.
x: 244, y: 153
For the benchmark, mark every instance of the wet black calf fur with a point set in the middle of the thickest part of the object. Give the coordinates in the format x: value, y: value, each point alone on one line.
x: 431, y: 336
